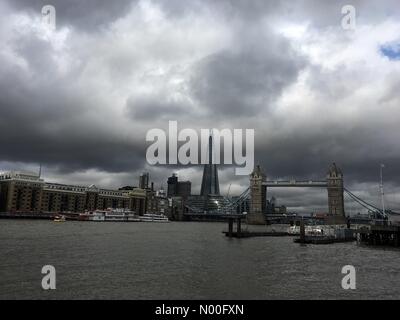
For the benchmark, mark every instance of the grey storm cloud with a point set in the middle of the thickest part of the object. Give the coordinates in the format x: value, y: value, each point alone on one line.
x: 46, y: 118
x: 81, y: 99
x: 145, y: 108
x: 241, y: 83
x: 308, y: 155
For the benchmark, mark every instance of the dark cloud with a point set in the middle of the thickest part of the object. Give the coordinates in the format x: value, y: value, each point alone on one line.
x: 47, y: 118
x: 358, y: 151
x: 245, y: 81
x: 147, y: 107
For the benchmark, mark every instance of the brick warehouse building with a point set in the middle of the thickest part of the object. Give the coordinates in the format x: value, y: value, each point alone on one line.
x: 27, y: 192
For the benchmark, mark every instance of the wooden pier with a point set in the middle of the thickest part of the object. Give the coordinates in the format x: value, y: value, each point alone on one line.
x: 322, y: 240
x: 239, y: 233
x: 386, y: 235
x: 231, y: 220
x: 249, y: 234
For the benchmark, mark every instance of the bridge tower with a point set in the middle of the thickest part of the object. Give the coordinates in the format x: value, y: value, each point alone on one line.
x: 335, y: 191
x: 257, y: 197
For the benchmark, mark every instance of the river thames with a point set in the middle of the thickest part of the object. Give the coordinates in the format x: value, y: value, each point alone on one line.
x: 183, y: 260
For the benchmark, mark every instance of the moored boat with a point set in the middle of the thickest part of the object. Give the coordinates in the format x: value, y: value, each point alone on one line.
x: 110, y: 215
x: 153, y: 217
x: 59, y: 218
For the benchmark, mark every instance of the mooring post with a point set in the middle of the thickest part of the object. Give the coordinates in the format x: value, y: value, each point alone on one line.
x: 302, y: 232
x: 230, y: 227
x: 239, y: 227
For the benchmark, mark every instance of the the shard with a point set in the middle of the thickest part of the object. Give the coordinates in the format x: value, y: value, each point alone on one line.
x: 210, y: 184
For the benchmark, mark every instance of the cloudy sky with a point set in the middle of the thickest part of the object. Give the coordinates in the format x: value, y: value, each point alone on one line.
x: 80, y: 99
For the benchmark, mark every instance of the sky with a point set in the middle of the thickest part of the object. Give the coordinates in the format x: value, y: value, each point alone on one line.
x: 80, y: 99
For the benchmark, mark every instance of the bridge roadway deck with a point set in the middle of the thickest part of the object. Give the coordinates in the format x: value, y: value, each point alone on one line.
x: 294, y: 183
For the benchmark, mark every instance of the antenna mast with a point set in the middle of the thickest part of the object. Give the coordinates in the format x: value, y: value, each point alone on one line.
x: 382, y: 192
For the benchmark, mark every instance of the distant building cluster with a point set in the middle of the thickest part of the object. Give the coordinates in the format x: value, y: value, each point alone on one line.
x: 178, y: 188
x: 28, y: 193
x: 273, y: 208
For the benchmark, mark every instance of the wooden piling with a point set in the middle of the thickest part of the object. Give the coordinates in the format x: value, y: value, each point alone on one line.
x: 302, y: 231
x: 239, y: 227
x: 230, y: 227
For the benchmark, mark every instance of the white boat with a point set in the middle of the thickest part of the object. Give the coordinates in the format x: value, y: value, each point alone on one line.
x: 153, y: 217
x: 294, y: 230
x: 97, y: 215
x: 309, y: 230
x: 121, y: 215
x: 111, y: 215
x: 59, y: 218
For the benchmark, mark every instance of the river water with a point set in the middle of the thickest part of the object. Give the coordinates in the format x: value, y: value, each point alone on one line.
x: 183, y: 260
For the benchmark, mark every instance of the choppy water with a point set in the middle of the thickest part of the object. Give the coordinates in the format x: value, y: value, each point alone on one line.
x: 182, y: 261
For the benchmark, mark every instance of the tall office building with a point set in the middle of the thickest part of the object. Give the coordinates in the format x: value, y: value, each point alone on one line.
x: 178, y: 188
x: 210, y: 200
x: 172, y: 186
x: 210, y: 183
x: 144, y: 180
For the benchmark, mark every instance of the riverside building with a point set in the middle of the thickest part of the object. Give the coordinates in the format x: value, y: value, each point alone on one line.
x: 27, y: 192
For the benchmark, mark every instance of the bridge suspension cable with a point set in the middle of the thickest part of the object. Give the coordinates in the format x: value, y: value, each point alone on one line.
x: 224, y: 205
x: 364, y: 204
x: 242, y: 197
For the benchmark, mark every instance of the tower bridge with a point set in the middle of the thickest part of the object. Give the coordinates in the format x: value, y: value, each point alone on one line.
x: 211, y: 205
x: 259, y: 186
